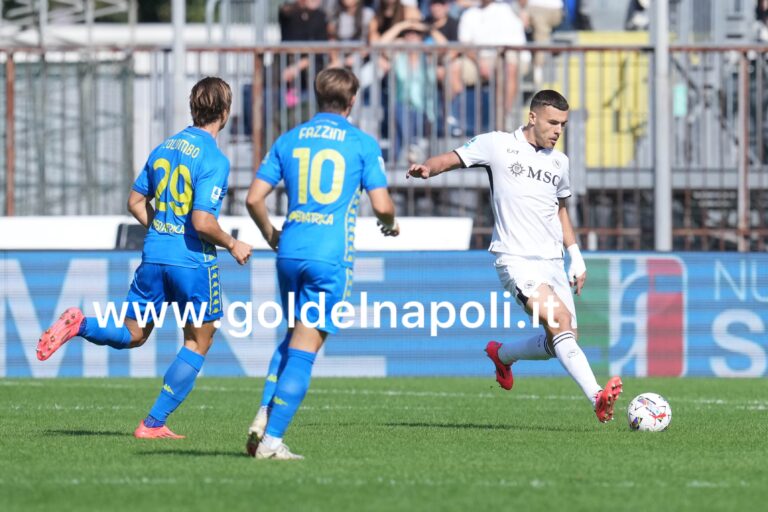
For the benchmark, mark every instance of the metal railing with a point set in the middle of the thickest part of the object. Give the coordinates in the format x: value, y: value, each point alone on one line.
x: 81, y: 135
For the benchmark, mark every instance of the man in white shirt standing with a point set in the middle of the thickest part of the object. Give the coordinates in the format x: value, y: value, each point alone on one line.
x: 491, y: 23
x: 529, y: 187
x: 542, y: 16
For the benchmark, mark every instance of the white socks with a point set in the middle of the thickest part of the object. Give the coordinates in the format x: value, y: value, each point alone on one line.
x: 527, y: 349
x: 575, y: 362
x: 272, y: 442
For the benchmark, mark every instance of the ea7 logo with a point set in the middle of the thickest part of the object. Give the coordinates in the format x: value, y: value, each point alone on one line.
x: 647, y: 316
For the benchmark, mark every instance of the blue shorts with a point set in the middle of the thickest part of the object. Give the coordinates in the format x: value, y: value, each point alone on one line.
x: 306, y: 279
x: 157, y: 283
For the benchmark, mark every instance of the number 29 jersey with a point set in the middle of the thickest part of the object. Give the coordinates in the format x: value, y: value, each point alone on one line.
x: 325, y: 164
x: 186, y: 172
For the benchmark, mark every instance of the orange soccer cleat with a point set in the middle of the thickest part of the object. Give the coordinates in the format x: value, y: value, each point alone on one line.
x: 62, y: 330
x: 503, y: 371
x: 145, y: 432
x: 605, y: 399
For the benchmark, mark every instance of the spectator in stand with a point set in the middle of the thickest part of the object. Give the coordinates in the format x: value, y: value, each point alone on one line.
x: 349, y: 22
x: 542, y: 16
x: 416, y: 87
x: 390, y: 19
x: 388, y: 15
x: 440, y: 19
x: 491, y: 24
x: 302, y: 20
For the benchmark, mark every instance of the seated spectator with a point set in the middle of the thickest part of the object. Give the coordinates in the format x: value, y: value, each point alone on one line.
x: 490, y: 24
x: 542, y: 16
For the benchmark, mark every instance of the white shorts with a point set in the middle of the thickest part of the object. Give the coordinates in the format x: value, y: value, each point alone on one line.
x: 522, y: 276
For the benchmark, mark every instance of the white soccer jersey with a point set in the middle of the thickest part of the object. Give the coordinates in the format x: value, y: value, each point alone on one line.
x: 525, y: 187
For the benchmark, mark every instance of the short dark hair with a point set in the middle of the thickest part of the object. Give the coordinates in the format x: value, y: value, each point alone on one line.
x: 549, y: 98
x: 335, y: 88
x: 209, y: 101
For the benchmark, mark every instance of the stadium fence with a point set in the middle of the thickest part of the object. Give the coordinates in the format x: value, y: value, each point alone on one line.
x: 78, y: 122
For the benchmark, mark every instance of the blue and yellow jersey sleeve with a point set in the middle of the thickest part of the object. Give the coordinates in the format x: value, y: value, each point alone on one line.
x: 143, y: 181
x: 211, y: 187
x: 374, y: 171
x: 271, y: 169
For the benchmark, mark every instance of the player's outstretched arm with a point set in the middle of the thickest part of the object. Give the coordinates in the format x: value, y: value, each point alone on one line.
x: 434, y: 166
x: 577, y: 270
x: 384, y: 209
x: 141, y: 208
x: 257, y: 208
x: 208, y: 228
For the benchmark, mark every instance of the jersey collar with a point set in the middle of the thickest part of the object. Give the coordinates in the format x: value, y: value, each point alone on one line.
x: 331, y: 116
x: 200, y: 132
x: 520, y: 137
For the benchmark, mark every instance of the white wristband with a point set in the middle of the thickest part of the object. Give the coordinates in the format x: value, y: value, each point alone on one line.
x: 577, y: 266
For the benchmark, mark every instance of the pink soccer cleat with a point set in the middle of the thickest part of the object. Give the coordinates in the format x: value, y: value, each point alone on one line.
x: 503, y: 371
x: 605, y: 399
x: 145, y: 432
x: 62, y: 330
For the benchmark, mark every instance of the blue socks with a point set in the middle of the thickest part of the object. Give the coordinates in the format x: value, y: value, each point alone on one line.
x: 177, y: 384
x: 276, y: 366
x: 111, y: 334
x: 291, y: 389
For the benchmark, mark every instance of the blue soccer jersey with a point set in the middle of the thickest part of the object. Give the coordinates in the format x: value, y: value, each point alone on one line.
x: 325, y: 164
x: 186, y: 172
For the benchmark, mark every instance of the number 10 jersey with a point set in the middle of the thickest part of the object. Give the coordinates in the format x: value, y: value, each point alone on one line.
x: 325, y: 164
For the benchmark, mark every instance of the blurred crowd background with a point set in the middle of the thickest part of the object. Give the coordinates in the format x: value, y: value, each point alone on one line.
x: 89, y: 87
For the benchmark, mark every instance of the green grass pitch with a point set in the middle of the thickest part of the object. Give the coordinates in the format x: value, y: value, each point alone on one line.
x: 384, y: 444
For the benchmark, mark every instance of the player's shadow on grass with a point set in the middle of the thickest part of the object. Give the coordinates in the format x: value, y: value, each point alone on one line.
x: 480, y: 426
x: 193, y: 453
x: 85, y: 433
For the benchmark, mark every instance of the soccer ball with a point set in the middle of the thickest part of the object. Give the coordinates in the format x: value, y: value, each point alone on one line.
x: 649, y: 412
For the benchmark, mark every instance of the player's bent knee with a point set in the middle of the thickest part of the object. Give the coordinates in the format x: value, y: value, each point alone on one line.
x: 135, y: 343
x: 139, y: 335
x: 560, y: 323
